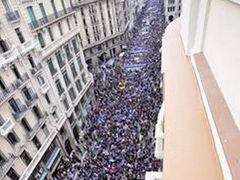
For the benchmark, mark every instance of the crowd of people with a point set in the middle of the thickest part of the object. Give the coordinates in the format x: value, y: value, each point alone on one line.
x: 119, y: 132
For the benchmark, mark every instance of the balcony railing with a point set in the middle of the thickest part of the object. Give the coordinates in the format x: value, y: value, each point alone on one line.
x: 12, y: 16
x: 27, y: 46
x: 31, y: 101
x: 50, y: 18
x: 6, y: 127
x: 7, y: 92
x: 6, y: 166
x: 36, y: 128
x: 9, y: 56
x: 53, y: 71
x: 44, y: 88
x: 36, y: 69
x: 19, y: 114
x: 19, y: 82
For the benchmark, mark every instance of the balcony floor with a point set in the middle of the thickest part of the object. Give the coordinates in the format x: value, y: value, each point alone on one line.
x: 189, y: 150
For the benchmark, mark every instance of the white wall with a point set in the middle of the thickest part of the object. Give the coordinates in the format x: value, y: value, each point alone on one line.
x: 221, y: 48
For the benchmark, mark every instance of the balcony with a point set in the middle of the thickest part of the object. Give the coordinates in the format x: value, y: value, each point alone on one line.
x: 36, y: 69
x: 7, y: 92
x: 6, y: 127
x: 31, y: 100
x: 27, y: 47
x: 45, y: 21
x: 53, y: 158
x: 28, y: 171
x: 44, y: 88
x: 19, y: 114
x: 9, y: 56
x: 36, y: 128
x: 20, y: 82
x: 6, y: 166
x: 12, y: 16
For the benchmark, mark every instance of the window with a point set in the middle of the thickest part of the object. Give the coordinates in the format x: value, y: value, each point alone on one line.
x: 51, y: 67
x: 2, y: 84
x: 3, y: 46
x: 68, y: 53
x: 63, y: 6
x: 45, y: 130
x: 50, y: 33
x: 44, y: 15
x: 65, y: 103
x: 2, y: 159
x: 32, y: 16
x: 78, y: 85
x: 41, y: 40
x: 36, y: 142
x: 55, y: 115
x: 25, y: 125
x: 60, y: 28
x: 12, y: 174
x: 31, y: 61
x: 37, y: 112
x: 28, y: 93
x: 66, y: 78
x: 75, y: 47
x: 12, y: 138
x: 72, y: 94
x: 74, y: 71
x: 47, y: 98
x: 84, y: 78
x: 79, y: 63
x: 59, y: 87
x: 41, y: 80
x: 14, y: 105
x: 20, y: 35
x: 54, y: 8
x: 68, y: 23
x: 59, y: 59
x: 26, y: 158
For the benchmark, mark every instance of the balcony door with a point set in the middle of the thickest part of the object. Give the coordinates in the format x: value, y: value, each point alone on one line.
x: 7, y: 6
x: 54, y: 8
x: 32, y: 16
x: 14, y: 105
x: 16, y: 72
x: 45, y: 19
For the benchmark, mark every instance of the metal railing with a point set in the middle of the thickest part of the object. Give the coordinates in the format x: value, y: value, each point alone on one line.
x: 18, y: 114
x: 6, y: 166
x: 31, y: 101
x: 6, y: 127
x: 48, y: 19
x: 12, y: 16
x: 36, y: 128
x: 7, y: 92
x: 36, y: 69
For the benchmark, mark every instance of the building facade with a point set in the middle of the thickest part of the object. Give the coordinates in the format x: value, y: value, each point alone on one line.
x: 105, y: 26
x: 45, y: 87
x: 173, y: 9
x: 201, y: 118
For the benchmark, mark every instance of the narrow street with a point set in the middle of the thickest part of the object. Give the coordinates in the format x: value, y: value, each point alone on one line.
x: 119, y: 134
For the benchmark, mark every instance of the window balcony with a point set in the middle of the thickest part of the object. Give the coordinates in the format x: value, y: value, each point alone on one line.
x: 36, y: 69
x: 6, y: 166
x: 9, y: 56
x: 13, y: 16
x: 7, y: 92
x: 20, y: 82
x: 19, y: 114
x: 27, y: 47
x: 40, y: 23
x: 44, y: 88
x: 36, y: 128
x: 6, y: 127
x: 53, y: 71
x: 32, y: 100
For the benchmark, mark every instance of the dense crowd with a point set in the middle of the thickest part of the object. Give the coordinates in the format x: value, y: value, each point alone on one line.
x: 119, y: 132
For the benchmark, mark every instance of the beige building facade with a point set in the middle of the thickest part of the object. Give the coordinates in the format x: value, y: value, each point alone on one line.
x: 45, y: 87
x: 201, y: 116
x: 173, y: 9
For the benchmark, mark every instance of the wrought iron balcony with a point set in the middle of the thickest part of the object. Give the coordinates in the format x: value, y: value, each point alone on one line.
x: 9, y: 56
x: 12, y: 16
x: 6, y: 127
x: 36, y: 128
x: 50, y: 19
x: 44, y: 88
x: 6, y: 166
x: 20, y: 113
x: 19, y: 82
x: 36, y: 69
x: 7, y: 92
x: 31, y: 100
